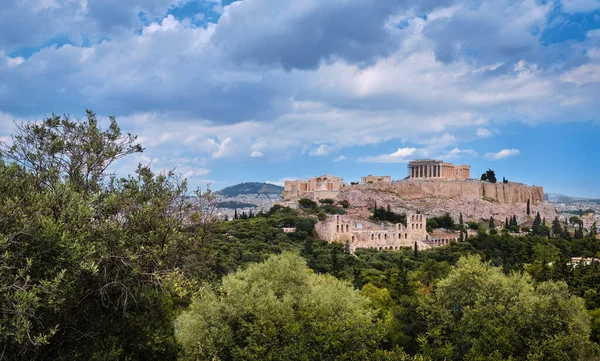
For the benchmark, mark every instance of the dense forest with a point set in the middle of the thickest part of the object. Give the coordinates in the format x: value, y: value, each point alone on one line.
x: 100, y: 267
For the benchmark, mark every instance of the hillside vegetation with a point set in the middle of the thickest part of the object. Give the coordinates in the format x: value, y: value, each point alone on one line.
x: 99, y: 267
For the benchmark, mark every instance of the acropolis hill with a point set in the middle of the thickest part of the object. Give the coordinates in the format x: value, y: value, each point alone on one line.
x: 427, y: 178
x: 432, y: 187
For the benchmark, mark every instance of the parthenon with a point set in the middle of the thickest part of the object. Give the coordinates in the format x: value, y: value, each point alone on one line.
x: 432, y: 168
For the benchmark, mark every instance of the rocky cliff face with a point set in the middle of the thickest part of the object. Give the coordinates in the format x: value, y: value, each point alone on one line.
x: 475, y: 200
x: 509, y: 193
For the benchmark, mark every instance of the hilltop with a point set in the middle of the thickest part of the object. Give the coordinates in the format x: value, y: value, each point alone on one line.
x: 251, y: 188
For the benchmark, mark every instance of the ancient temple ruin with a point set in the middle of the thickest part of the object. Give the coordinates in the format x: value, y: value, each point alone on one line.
x: 376, y: 179
x: 325, y: 186
x: 437, y: 169
x: 357, y: 233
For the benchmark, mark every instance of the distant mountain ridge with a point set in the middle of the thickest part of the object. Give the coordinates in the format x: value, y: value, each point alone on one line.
x: 251, y: 188
x: 561, y: 198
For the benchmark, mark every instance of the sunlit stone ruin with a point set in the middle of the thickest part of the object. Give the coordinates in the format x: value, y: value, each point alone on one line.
x: 429, y: 184
x: 374, y: 179
x: 325, y: 186
x: 432, y: 168
x: 356, y: 233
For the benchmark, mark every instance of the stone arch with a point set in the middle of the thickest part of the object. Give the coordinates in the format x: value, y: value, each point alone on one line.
x: 353, y: 239
x: 399, y: 236
x: 379, y: 236
x: 338, y: 228
x: 338, y: 219
x: 380, y: 248
x: 372, y: 236
x: 413, y: 225
x: 405, y: 235
x: 385, y: 236
x: 421, y: 225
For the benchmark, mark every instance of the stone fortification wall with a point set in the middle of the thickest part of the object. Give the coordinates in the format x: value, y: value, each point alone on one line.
x: 507, y: 193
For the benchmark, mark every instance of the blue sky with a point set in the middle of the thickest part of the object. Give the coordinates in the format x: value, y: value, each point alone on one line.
x: 268, y: 90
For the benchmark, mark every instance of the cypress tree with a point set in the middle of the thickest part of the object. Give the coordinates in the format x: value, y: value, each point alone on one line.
x: 347, y: 247
x: 565, y: 233
x: 416, y: 249
x: 536, y: 224
x: 235, y: 214
x: 491, y: 223
x: 506, y: 226
x: 460, y: 219
x: 528, y: 207
x: 556, y: 227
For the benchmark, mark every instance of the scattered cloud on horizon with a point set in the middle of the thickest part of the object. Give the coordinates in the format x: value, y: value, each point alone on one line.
x: 459, y: 153
x: 484, y: 133
x: 281, y: 182
x: 402, y: 155
x: 504, y: 153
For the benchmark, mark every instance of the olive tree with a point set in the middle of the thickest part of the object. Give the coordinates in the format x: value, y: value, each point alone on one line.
x: 86, y: 258
x: 279, y: 310
x: 479, y: 313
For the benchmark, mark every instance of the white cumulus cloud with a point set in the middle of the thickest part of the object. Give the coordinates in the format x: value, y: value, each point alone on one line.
x: 504, y: 153
x: 281, y: 182
x: 400, y: 156
x: 484, y: 133
x: 584, y: 74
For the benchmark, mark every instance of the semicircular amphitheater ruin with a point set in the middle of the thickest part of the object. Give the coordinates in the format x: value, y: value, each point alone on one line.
x: 432, y: 188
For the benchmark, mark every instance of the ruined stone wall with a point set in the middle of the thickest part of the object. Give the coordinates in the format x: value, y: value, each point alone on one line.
x: 508, y: 193
x: 365, y: 234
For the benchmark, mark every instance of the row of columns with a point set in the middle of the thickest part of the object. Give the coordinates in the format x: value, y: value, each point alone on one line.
x: 432, y: 171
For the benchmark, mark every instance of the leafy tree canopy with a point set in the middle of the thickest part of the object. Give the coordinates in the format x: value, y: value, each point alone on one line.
x: 279, y: 310
x: 480, y: 313
x: 489, y: 176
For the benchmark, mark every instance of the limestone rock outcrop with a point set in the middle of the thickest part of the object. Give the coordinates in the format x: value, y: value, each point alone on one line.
x: 472, y: 208
x: 506, y: 193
